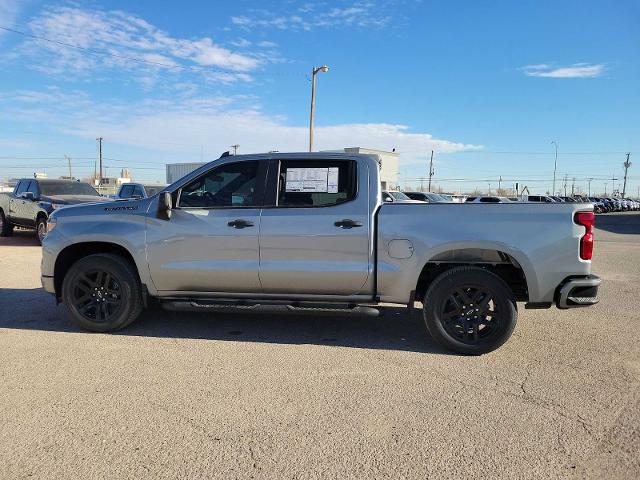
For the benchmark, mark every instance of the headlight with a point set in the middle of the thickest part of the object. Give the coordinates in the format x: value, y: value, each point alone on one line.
x: 51, y: 224
x: 56, y: 206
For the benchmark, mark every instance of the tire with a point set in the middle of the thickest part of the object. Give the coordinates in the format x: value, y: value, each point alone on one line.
x: 6, y: 229
x: 41, y: 229
x: 470, y: 310
x: 102, y: 293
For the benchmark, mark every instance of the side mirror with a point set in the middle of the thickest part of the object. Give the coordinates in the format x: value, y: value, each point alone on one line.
x: 28, y: 196
x: 165, y: 204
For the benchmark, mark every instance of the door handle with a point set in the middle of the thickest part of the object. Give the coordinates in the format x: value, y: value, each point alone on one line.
x: 240, y: 223
x: 347, y: 223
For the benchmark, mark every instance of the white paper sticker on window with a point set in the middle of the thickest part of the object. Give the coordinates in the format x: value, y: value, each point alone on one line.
x: 323, y: 180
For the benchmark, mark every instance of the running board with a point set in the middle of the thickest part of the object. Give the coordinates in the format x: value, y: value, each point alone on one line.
x: 203, y: 306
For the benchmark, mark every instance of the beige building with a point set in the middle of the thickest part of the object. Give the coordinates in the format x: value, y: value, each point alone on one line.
x: 388, y: 161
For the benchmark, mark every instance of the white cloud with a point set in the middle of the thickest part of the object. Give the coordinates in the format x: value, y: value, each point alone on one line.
x: 182, y: 125
x: 123, y: 35
x: 577, y: 70
x: 310, y: 16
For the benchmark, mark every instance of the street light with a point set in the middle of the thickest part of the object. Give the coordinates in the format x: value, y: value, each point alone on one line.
x: 555, y: 166
x: 315, y: 70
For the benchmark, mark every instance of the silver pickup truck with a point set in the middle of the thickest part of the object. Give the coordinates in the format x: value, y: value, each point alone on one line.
x: 309, y: 233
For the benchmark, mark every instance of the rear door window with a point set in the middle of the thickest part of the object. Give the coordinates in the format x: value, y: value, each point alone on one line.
x: 316, y: 183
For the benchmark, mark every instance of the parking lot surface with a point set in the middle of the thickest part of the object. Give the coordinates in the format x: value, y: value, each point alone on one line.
x: 232, y: 396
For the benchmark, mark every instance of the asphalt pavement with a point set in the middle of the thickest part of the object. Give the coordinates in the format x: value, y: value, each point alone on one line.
x: 180, y: 395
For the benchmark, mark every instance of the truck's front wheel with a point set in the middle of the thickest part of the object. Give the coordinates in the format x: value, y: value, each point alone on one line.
x: 470, y: 310
x: 102, y: 293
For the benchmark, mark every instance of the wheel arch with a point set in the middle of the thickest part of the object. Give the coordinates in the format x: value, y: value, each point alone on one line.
x: 72, y: 253
x: 504, y: 264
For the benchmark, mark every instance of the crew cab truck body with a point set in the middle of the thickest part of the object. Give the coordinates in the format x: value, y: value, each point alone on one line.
x: 299, y: 231
x: 33, y: 200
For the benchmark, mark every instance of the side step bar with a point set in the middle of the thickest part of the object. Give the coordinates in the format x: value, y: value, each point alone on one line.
x: 257, y: 307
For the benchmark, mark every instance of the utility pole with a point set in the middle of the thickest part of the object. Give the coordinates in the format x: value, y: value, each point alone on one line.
x: 565, y: 184
x: 422, y: 184
x: 626, y: 164
x: 589, y: 180
x: 489, y: 189
x: 69, y: 163
x: 235, y: 148
x: 613, y: 184
x: 605, y: 189
x: 500, y: 183
x: 430, y: 169
x: 573, y: 186
x: 100, y: 159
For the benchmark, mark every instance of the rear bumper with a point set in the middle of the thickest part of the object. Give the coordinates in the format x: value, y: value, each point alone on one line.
x: 576, y: 292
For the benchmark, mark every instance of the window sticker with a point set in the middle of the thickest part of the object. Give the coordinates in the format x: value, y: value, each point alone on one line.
x: 323, y: 180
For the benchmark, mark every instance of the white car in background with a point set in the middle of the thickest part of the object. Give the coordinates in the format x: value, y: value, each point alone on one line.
x: 391, y: 196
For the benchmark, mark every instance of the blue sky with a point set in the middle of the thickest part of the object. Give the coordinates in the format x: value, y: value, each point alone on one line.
x: 487, y: 85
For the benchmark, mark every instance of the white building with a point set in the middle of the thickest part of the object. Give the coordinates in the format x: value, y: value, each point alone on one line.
x: 388, y: 162
x: 389, y: 165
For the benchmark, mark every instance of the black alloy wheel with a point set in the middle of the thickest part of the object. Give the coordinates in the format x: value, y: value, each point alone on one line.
x: 97, y: 296
x: 469, y: 314
x: 102, y: 292
x: 470, y: 310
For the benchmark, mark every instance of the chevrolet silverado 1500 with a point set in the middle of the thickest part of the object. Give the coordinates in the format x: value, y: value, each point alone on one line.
x: 300, y: 231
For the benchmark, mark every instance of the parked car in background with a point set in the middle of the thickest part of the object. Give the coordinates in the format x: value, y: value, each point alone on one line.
x: 33, y: 200
x: 538, y: 198
x: 568, y: 199
x: 427, y: 197
x: 487, y: 199
x: 295, y: 232
x: 391, y: 196
x: 138, y: 190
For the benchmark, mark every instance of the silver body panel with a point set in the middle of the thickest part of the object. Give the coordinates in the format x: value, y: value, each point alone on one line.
x: 299, y: 253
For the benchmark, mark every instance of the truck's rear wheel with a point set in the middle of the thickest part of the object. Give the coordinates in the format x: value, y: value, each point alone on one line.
x: 470, y: 310
x: 102, y: 293
x: 6, y: 229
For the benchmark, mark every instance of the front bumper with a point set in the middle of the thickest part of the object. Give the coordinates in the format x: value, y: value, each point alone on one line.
x: 576, y: 292
x: 47, y: 284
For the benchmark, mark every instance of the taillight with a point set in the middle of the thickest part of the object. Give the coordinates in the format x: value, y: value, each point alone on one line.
x: 587, y: 220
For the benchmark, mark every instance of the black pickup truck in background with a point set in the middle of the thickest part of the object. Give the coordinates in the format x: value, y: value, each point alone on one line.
x: 33, y: 199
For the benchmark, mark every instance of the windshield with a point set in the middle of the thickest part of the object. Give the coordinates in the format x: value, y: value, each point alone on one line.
x: 399, y: 196
x: 67, y: 188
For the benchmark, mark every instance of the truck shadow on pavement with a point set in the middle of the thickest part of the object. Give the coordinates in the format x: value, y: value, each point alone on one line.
x: 394, y: 329
x: 20, y: 238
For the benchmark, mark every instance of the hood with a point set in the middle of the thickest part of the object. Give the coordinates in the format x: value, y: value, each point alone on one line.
x: 105, y: 207
x: 74, y: 199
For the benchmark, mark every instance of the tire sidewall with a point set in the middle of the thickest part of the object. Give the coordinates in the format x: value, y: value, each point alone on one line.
x: 129, y: 285
x: 438, y: 292
x: 38, y: 223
